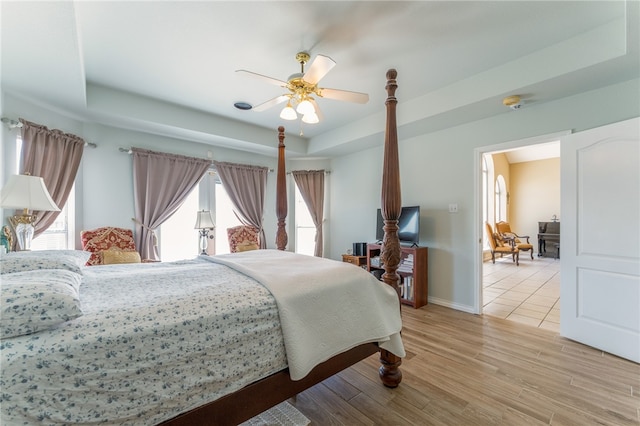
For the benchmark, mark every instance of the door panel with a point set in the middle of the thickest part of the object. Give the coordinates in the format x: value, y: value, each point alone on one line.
x: 600, y: 270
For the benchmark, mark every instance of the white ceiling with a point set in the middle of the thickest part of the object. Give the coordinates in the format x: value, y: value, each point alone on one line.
x: 111, y: 62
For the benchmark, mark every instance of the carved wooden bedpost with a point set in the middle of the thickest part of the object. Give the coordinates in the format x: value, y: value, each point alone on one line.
x: 391, y: 203
x: 281, y: 194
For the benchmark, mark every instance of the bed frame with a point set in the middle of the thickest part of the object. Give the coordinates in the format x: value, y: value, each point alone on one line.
x: 257, y: 397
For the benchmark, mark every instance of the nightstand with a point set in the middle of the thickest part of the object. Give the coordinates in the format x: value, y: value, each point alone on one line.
x: 355, y: 260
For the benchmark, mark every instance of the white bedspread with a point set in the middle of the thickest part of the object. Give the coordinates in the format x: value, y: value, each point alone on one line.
x: 367, y: 309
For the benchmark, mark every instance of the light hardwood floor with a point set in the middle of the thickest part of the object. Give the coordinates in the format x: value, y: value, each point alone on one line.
x: 465, y: 369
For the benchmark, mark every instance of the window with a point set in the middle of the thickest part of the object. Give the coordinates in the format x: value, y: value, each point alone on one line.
x: 178, y: 238
x: 305, y: 229
x: 501, y: 199
x: 485, y: 198
x: 60, y: 234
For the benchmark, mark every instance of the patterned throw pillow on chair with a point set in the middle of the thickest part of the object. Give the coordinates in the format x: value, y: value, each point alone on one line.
x: 98, y: 240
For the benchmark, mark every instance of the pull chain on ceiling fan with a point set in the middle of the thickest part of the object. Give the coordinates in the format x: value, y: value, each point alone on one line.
x: 302, y: 87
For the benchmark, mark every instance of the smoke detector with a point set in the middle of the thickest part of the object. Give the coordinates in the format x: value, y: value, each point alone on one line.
x: 512, y: 102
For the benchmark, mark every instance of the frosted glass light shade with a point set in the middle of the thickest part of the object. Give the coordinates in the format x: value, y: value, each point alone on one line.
x: 288, y: 113
x: 310, y: 118
x: 305, y: 107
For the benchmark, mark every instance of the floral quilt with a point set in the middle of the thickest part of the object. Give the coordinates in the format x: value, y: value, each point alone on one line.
x: 153, y: 341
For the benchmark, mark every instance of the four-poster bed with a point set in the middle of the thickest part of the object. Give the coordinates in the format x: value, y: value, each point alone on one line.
x: 244, y: 404
x: 125, y: 332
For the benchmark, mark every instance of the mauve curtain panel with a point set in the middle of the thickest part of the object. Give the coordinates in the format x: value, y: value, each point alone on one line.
x: 246, y: 186
x: 55, y: 156
x: 161, y: 182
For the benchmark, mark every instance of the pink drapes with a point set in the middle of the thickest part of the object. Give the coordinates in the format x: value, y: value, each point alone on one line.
x: 55, y: 156
x: 311, y: 186
x: 161, y: 182
x: 246, y: 186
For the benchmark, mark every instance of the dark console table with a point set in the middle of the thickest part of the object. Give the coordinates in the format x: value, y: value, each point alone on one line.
x: 549, y: 232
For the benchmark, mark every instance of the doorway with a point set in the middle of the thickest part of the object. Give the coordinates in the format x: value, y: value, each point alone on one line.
x: 528, y: 293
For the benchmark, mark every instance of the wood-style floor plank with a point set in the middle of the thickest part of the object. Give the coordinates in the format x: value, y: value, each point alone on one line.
x: 464, y: 369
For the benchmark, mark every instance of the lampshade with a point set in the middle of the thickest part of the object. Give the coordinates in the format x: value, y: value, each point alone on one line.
x: 204, y: 220
x: 310, y: 118
x: 288, y: 113
x: 305, y: 107
x: 26, y: 192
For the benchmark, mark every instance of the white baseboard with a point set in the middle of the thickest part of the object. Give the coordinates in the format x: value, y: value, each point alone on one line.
x: 449, y: 304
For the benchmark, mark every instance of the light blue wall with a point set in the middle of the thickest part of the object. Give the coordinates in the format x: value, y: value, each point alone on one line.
x: 438, y: 169
x: 104, y: 187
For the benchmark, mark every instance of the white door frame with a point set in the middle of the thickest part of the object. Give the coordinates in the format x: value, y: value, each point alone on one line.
x: 478, y: 224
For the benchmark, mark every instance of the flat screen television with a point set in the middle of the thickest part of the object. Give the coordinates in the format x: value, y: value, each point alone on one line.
x: 408, y: 225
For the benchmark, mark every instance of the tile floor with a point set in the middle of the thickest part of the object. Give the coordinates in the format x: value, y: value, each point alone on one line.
x: 529, y: 293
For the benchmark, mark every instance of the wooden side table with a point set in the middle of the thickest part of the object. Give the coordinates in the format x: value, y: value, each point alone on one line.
x: 360, y: 261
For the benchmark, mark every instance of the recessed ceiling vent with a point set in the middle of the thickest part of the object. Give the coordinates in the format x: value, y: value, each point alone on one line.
x: 243, y: 106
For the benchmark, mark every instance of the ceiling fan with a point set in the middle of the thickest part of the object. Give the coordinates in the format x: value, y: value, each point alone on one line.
x: 303, y: 90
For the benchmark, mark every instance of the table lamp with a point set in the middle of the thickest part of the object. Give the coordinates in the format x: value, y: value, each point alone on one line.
x: 28, y: 193
x: 204, y: 223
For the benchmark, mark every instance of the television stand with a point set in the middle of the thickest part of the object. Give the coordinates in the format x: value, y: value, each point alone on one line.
x: 412, y: 270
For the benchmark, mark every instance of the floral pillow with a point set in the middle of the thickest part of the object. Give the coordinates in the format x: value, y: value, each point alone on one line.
x: 20, y: 261
x: 105, y: 238
x: 37, y: 300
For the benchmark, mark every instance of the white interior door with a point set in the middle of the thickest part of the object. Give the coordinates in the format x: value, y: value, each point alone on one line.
x: 600, y: 238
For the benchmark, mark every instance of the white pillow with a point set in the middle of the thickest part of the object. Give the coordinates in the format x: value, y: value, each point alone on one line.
x: 32, y: 301
x: 20, y: 261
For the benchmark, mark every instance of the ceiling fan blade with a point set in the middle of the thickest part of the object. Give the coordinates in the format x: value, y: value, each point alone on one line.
x: 272, y: 102
x: 264, y: 78
x: 320, y: 66
x: 344, y: 95
x: 318, y: 110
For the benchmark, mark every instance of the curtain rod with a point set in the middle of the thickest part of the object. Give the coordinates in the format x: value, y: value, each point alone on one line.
x: 15, y: 124
x: 326, y: 172
x: 213, y: 170
x: 11, y: 124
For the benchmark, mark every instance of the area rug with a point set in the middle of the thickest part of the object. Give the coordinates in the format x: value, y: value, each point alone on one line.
x: 283, y: 414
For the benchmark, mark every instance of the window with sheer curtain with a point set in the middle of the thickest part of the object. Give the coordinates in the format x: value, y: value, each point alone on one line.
x: 305, y: 228
x: 179, y: 240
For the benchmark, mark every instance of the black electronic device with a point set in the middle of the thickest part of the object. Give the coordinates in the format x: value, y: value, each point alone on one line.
x: 408, y: 225
x: 359, y: 249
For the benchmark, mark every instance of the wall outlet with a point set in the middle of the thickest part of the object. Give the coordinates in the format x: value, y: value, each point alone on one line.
x: 453, y: 208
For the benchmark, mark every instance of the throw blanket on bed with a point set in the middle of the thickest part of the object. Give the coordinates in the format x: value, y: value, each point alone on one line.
x: 311, y: 293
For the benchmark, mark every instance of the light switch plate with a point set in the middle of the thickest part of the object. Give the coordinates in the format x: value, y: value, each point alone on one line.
x: 453, y: 208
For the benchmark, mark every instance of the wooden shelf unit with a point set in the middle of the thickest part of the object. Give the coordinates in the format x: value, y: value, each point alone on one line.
x: 417, y: 271
x: 355, y: 260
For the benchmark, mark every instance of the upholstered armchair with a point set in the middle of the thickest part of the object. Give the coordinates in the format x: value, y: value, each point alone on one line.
x: 109, y: 245
x: 243, y: 238
x: 504, y: 229
x: 501, y: 245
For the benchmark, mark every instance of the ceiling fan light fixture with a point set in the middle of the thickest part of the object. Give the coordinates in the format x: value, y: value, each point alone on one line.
x: 310, y: 118
x: 288, y: 113
x: 305, y: 107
